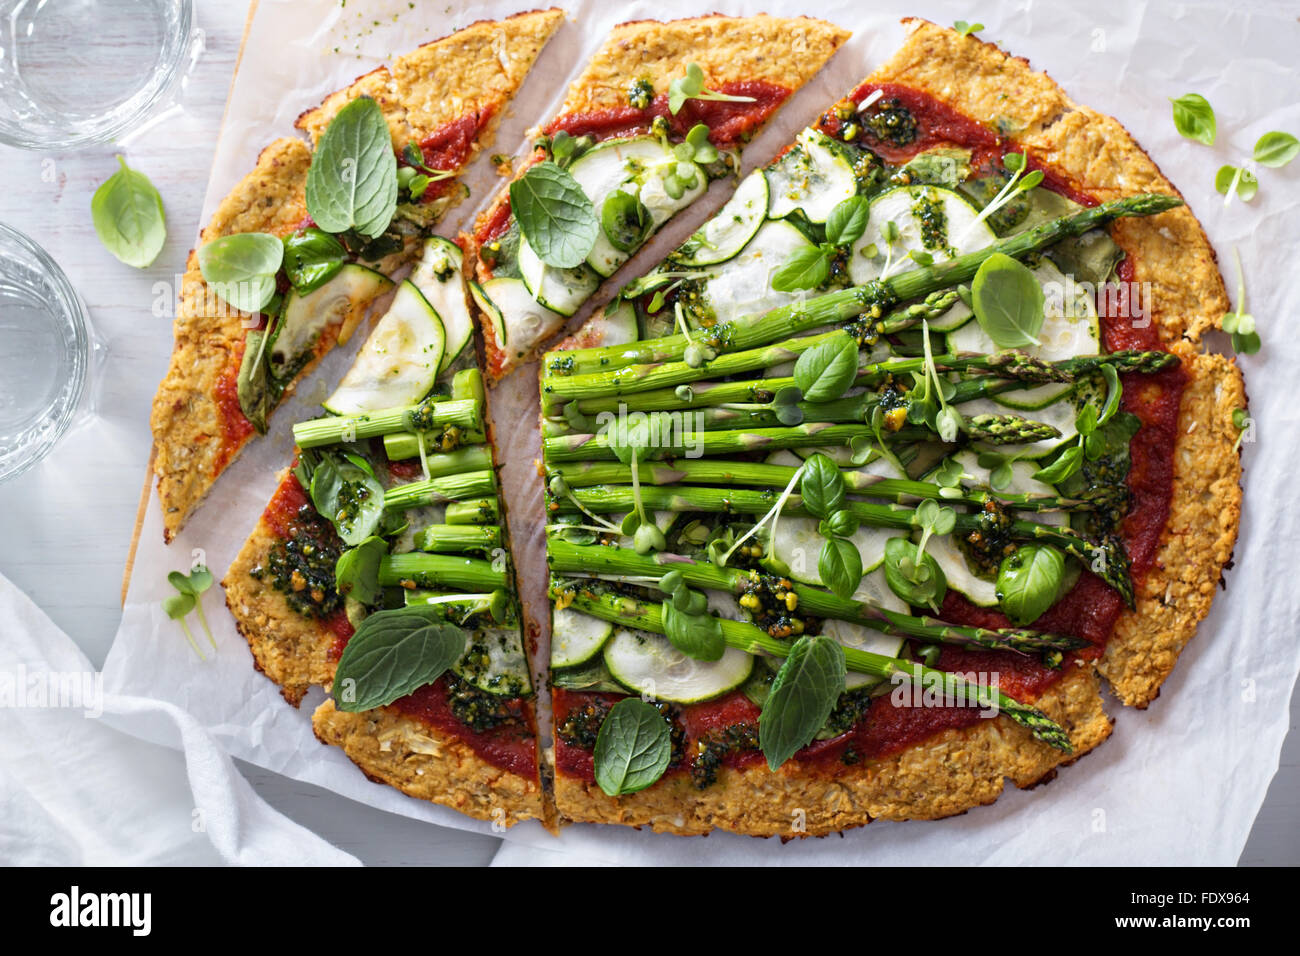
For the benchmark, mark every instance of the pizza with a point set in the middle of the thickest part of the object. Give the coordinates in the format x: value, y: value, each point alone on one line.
x: 217, y: 393
x: 641, y: 154
x: 853, y: 504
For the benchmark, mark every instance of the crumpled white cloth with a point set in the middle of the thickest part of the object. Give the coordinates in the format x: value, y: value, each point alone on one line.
x: 77, y: 790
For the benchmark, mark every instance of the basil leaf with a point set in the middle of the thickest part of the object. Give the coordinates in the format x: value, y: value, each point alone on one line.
x: 802, y: 695
x: 625, y: 220
x: 1194, y: 118
x: 1029, y: 580
x: 1276, y: 149
x: 253, y: 387
x: 1071, y: 460
x: 394, y: 653
x: 633, y: 747
x: 825, y: 371
x: 845, y: 524
x: 1008, y: 302
x: 242, y: 268
x: 695, y: 635
x: 807, y: 268
x: 356, y: 574
x: 128, y: 216
x: 847, y: 221
x: 352, y: 181
x: 840, y: 567
x: 821, y: 486
x: 917, y: 582
x: 348, y: 498
x: 554, y: 214
x: 311, y: 258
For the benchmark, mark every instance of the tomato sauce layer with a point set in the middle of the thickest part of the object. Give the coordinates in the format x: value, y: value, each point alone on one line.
x: 449, y: 147
x: 729, y: 123
x: 511, y: 746
x: 1092, y: 607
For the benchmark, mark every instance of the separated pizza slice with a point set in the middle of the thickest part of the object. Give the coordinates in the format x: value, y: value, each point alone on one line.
x: 380, y: 568
x: 660, y: 111
x: 860, y: 564
x: 292, y: 259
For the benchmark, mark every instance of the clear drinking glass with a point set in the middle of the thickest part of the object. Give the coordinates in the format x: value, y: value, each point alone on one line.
x: 78, y: 72
x: 45, y: 348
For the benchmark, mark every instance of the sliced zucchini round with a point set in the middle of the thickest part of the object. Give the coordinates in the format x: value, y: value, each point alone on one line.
x: 398, y: 363
x: 649, y: 664
x: 519, y: 320
x: 343, y: 299
x: 438, y: 275
x: 1022, y: 482
x: 958, y: 234
x: 862, y: 638
x: 742, y: 285
x: 615, y: 328
x: 723, y: 236
x: 636, y: 166
x: 798, y: 543
x: 494, y: 661
x: 560, y: 290
x: 874, y: 589
x: 958, y: 572
x: 814, y: 176
x: 576, y: 637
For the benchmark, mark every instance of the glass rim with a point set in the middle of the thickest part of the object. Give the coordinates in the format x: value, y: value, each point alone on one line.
x: 71, y: 306
x: 114, y: 129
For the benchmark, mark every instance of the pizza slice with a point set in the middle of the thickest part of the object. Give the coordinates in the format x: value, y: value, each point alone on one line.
x: 380, y: 568
x: 856, y: 498
x: 660, y: 111
x: 293, y: 301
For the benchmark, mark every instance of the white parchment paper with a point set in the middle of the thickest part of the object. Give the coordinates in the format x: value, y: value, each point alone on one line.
x: 1178, y: 783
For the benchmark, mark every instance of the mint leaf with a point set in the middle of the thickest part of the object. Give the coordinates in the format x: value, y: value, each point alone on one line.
x: 394, y: 653
x: 352, y: 181
x: 555, y: 215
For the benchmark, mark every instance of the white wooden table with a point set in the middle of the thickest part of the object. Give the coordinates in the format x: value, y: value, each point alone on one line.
x: 65, y: 525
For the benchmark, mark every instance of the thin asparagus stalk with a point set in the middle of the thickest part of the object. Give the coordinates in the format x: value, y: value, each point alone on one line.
x: 473, y: 511
x: 455, y: 538
x: 754, y: 474
x: 592, y: 560
x: 473, y: 458
x: 746, y: 637
x: 399, y: 446
x: 473, y: 484
x: 1106, y: 557
x: 998, y: 429
x: 440, y: 571
x: 845, y: 304
x: 459, y: 413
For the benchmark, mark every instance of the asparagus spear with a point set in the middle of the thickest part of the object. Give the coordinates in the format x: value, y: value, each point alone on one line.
x: 455, y: 538
x: 1106, y: 557
x: 458, y: 413
x: 844, y: 304
x: 753, y: 474
x: 471, y: 484
x: 440, y: 571
x: 473, y: 511
x: 746, y: 637
x: 997, y: 429
x: 565, y: 558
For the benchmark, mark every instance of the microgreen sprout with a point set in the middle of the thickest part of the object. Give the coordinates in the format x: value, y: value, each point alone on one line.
x: 691, y: 87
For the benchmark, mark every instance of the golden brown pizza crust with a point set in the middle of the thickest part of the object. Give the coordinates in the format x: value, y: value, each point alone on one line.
x: 947, y: 774
x: 473, y: 70
x: 186, y: 420
x: 429, y: 764
x: 291, y: 649
x: 1198, y: 539
x: 782, y: 51
x: 1093, y: 152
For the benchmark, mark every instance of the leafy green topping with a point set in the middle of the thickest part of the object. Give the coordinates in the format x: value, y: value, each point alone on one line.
x: 803, y: 694
x: 633, y: 747
x: 1194, y: 118
x: 825, y: 371
x: 128, y: 216
x: 394, y: 653
x: 1008, y: 302
x: 352, y: 181
x: 1029, y: 582
x: 691, y: 87
x: 242, y: 268
x: 554, y: 214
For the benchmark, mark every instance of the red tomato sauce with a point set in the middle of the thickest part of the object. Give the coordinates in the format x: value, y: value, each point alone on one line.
x: 1092, y: 607
x: 235, y: 428
x: 730, y: 123
x: 448, y: 148
x: 511, y: 747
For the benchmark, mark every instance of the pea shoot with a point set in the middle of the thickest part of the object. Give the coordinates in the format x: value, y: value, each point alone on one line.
x: 691, y: 87
x: 189, y: 597
x: 1015, y: 163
